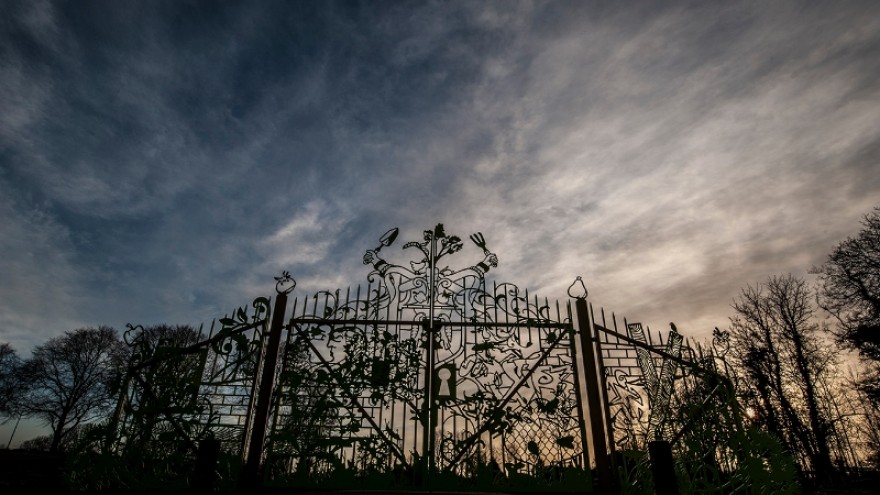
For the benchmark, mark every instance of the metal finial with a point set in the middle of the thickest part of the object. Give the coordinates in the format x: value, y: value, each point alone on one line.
x: 285, y: 283
x: 578, y: 290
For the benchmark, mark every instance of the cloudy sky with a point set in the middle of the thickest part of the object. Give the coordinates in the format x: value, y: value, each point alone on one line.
x: 163, y: 161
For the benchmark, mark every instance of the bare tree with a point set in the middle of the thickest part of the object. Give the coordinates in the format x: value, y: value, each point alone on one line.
x: 11, y: 386
x: 777, y: 345
x: 850, y: 290
x: 70, y: 379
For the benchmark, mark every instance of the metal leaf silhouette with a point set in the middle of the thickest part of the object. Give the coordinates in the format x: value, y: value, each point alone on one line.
x: 533, y: 448
x: 566, y: 442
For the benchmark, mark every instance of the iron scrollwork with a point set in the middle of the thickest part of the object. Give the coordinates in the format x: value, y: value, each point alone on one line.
x: 499, y: 364
x: 186, y: 385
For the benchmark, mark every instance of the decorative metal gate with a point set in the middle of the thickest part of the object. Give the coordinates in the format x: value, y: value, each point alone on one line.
x: 425, y: 376
x: 428, y: 374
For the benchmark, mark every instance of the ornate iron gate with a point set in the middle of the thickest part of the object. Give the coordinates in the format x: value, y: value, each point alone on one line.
x: 429, y: 375
x: 425, y: 376
x: 184, y: 389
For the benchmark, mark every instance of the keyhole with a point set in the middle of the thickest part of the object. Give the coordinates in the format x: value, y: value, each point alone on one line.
x: 444, y: 374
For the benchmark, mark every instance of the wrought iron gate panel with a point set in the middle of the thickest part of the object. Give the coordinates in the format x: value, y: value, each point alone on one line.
x: 428, y: 371
x: 359, y: 388
x: 180, y: 391
x: 422, y: 371
x: 678, y: 393
x: 641, y: 373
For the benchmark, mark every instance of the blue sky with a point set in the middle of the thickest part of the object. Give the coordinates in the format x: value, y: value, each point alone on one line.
x: 162, y: 161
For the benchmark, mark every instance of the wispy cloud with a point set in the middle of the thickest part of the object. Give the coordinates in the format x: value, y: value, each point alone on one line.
x: 668, y: 153
x: 38, y: 296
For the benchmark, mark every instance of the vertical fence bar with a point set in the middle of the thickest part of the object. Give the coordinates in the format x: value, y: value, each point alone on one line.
x: 594, y: 403
x: 606, y: 409
x: 582, y: 424
x: 251, y: 474
x: 248, y: 420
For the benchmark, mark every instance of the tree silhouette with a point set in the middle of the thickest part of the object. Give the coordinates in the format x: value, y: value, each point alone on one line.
x: 777, y: 348
x: 70, y: 379
x: 850, y: 291
x: 11, y: 385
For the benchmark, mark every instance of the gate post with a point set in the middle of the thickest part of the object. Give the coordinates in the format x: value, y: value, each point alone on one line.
x: 592, y: 384
x: 431, y: 328
x: 252, y: 473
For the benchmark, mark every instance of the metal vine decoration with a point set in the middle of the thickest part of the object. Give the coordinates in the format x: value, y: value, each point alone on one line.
x: 424, y: 284
x: 428, y: 364
x: 191, y: 383
x: 641, y: 385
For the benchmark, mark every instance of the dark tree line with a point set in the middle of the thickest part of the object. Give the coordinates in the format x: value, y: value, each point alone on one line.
x: 10, y: 386
x: 850, y: 291
x: 787, y: 362
x: 67, y: 382
x: 783, y: 362
x: 73, y: 380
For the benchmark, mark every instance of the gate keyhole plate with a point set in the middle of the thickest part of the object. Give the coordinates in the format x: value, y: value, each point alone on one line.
x: 444, y: 375
x: 444, y: 382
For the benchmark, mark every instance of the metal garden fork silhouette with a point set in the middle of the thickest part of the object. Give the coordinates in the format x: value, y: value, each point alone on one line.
x: 480, y: 241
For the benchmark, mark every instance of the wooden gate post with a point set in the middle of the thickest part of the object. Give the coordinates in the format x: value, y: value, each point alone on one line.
x: 252, y: 473
x: 592, y: 384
